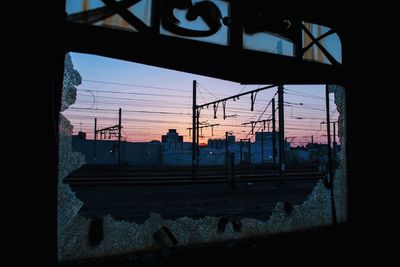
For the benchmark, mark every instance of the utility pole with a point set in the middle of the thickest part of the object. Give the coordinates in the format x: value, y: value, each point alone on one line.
x: 334, y: 142
x: 334, y: 139
x: 226, y: 150
x: 249, y: 152
x: 241, y: 151
x: 281, y: 134
x: 328, y: 129
x: 273, y: 134
x: 248, y: 161
x: 119, y: 137
x: 198, y: 138
x: 312, y: 154
x: 194, y: 110
x: 262, y: 147
x: 111, y: 131
x: 231, y: 172
x: 215, y: 107
x: 95, y: 138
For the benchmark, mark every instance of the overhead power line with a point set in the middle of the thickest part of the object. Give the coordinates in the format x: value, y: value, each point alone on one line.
x: 139, y: 111
x: 137, y: 85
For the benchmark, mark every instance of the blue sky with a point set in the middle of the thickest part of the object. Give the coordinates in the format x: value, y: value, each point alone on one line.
x: 154, y: 100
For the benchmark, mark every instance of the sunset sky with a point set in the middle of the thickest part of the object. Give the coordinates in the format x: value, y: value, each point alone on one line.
x: 154, y: 100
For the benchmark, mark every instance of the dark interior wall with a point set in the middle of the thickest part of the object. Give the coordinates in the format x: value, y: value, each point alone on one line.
x: 229, y: 64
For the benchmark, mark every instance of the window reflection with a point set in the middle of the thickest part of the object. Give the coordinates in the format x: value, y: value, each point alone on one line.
x: 123, y: 14
x: 321, y: 44
x: 267, y: 42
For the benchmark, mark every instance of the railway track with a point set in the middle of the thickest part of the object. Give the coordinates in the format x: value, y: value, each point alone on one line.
x: 161, y: 178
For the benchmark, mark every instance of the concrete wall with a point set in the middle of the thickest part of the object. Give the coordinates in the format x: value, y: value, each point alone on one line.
x: 107, y: 153
x: 298, y: 155
x: 179, y: 157
x: 212, y: 156
x: 157, y: 153
x: 142, y: 154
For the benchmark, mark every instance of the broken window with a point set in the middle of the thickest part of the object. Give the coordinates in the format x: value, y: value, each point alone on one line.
x: 161, y: 158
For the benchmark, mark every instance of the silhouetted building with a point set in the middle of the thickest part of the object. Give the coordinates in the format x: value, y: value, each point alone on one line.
x: 219, y: 142
x: 106, y: 151
x: 80, y: 136
x: 172, y: 140
x: 266, y: 137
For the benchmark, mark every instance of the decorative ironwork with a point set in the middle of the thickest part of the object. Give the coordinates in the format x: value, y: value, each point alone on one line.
x: 283, y: 30
x: 207, y: 10
x: 111, y: 8
x: 316, y: 41
x: 255, y: 20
